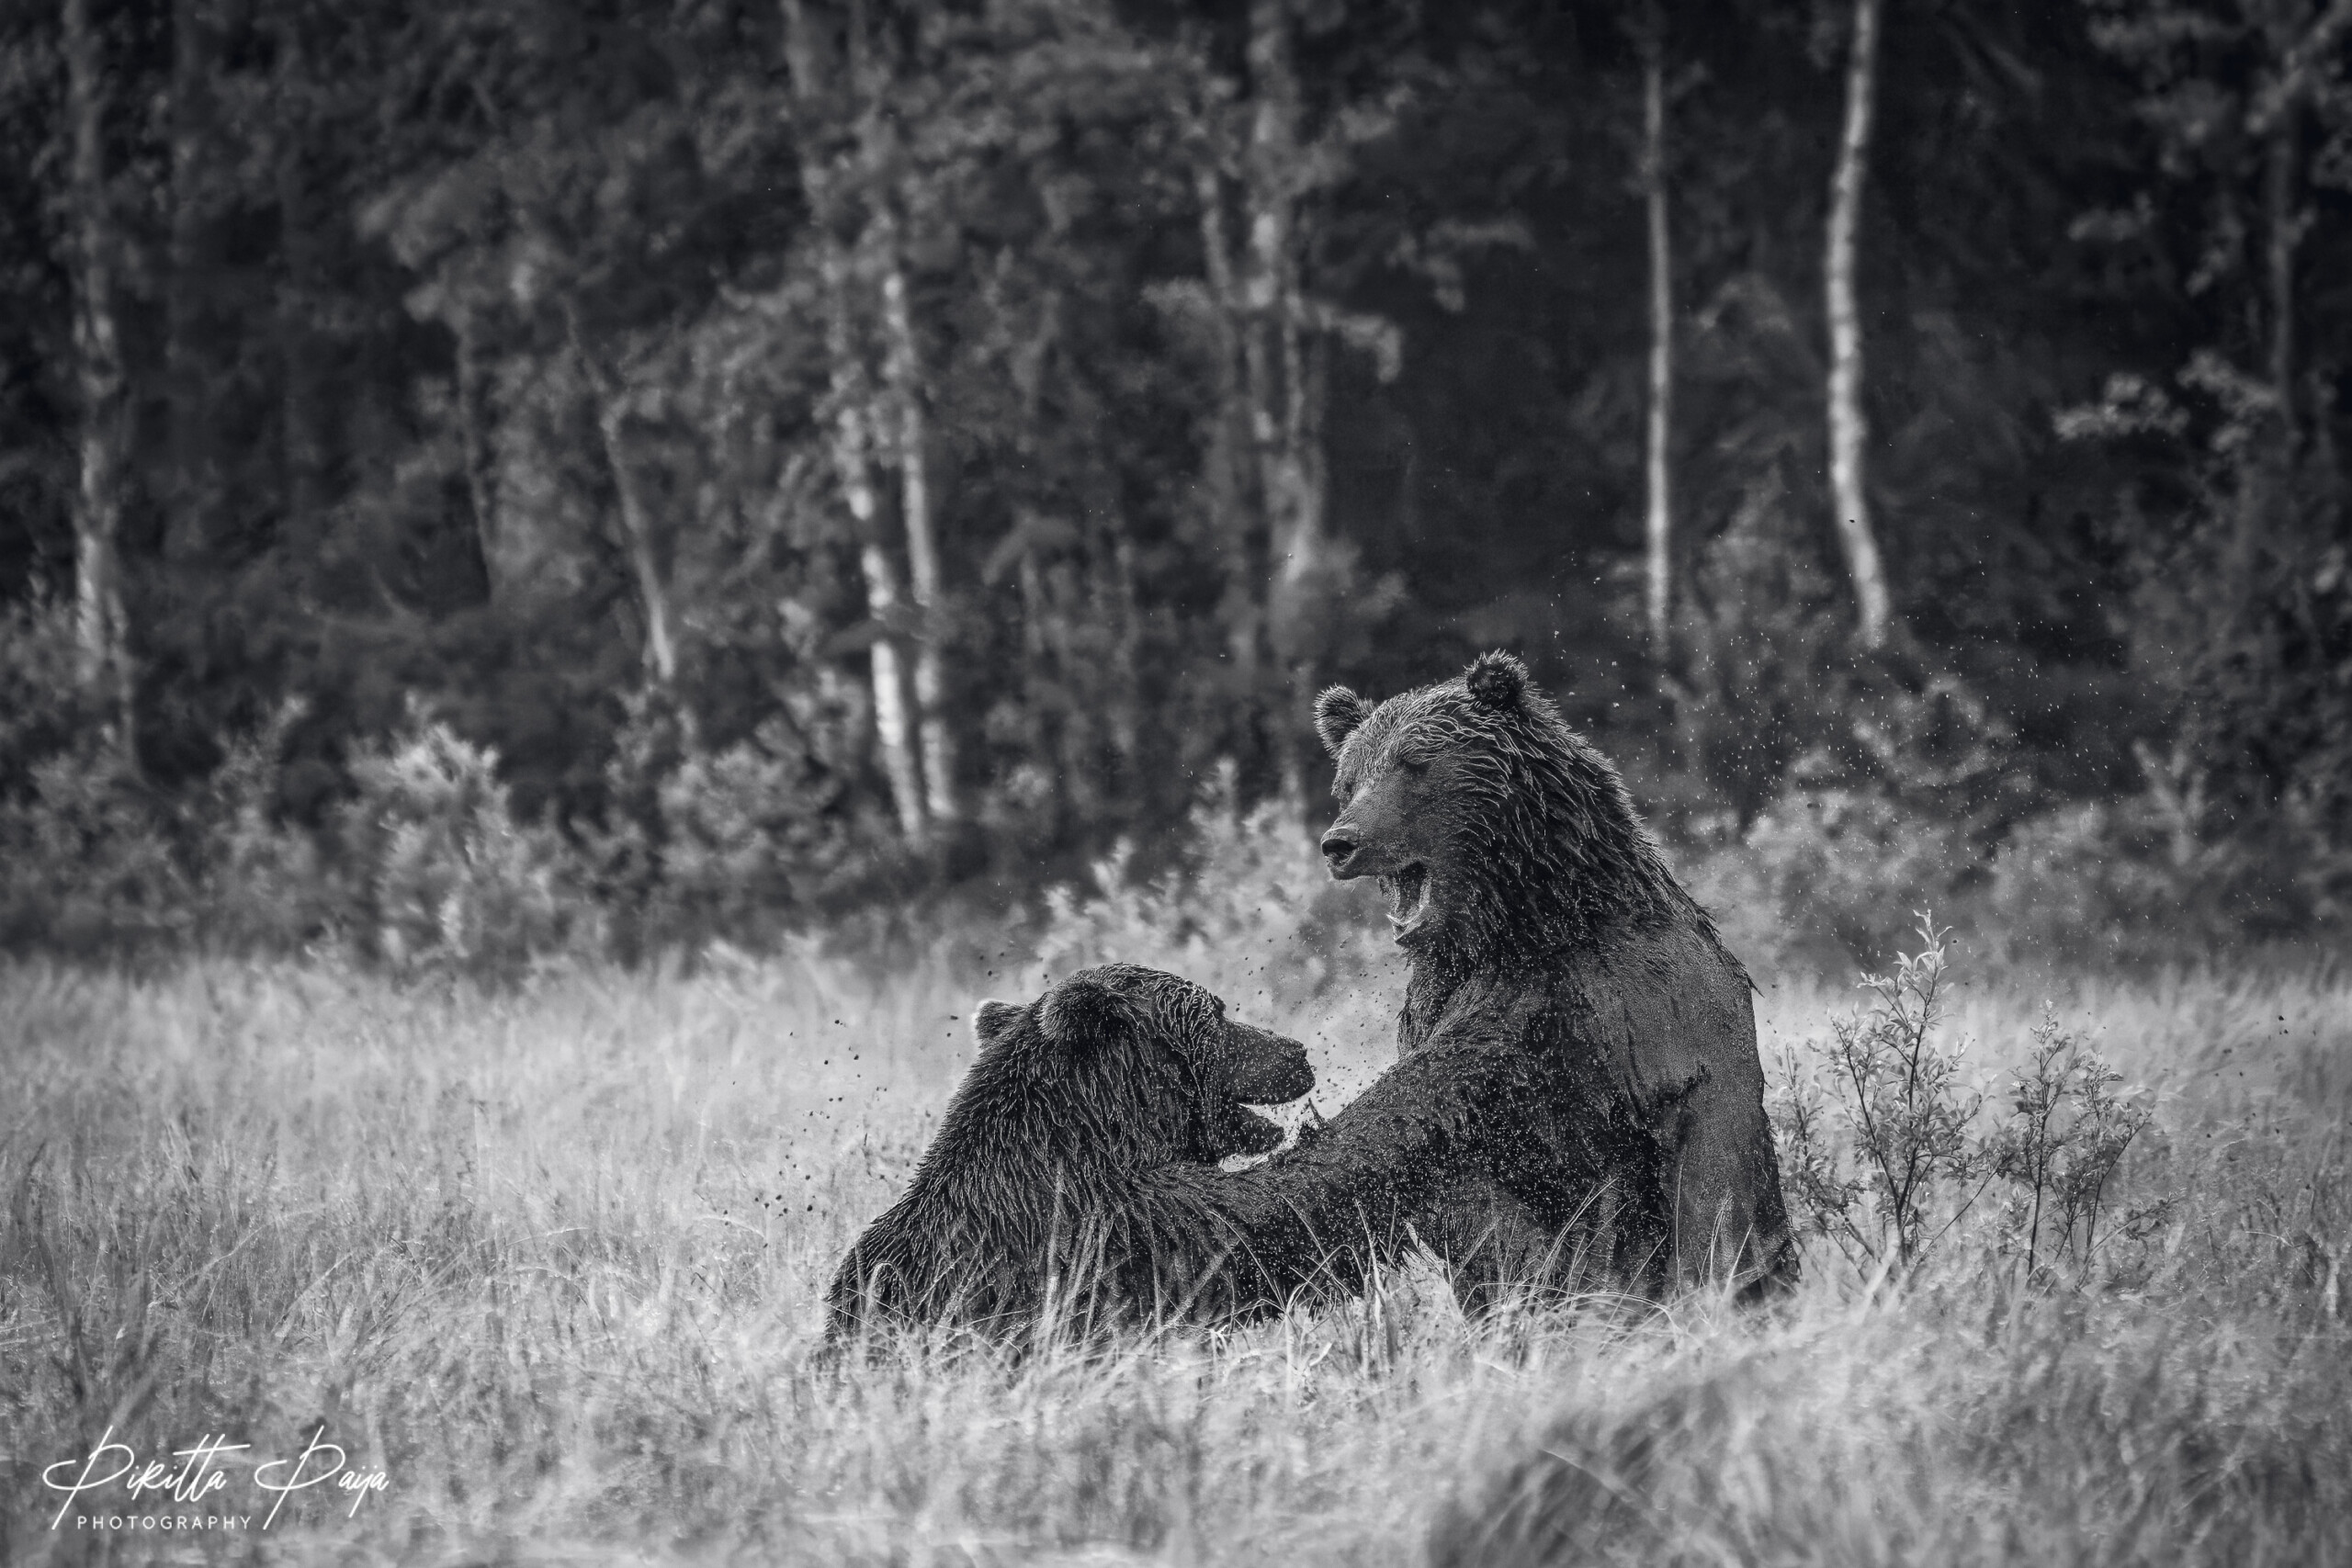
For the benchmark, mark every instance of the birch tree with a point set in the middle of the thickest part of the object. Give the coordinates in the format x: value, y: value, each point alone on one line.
x: 1273, y: 347
x: 1226, y: 463
x: 193, y: 264
x: 1848, y: 430
x: 2305, y: 45
x: 302, y: 433
x: 102, y: 632
x: 906, y: 413
x: 1658, y: 531
x: 612, y: 411
x: 1283, y: 411
x: 853, y: 436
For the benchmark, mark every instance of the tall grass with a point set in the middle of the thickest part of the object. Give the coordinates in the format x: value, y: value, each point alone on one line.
x: 552, y: 1259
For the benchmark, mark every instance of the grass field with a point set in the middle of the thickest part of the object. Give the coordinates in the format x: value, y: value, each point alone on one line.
x: 551, y: 1262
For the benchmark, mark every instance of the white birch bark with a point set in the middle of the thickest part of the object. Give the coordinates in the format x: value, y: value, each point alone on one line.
x: 904, y: 369
x: 853, y: 438
x: 1658, y: 530
x: 1847, y: 429
x: 661, y: 651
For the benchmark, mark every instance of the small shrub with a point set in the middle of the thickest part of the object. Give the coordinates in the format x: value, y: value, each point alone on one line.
x: 1879, y: 1158
x: 265, y: 886
x: 44, y: 711
x: 1825, y: 862
x: 88, y: 862
x: 742, y: 842
x: 2060, y: 1150
x: 451, y: 881
x: 1885, y: 1151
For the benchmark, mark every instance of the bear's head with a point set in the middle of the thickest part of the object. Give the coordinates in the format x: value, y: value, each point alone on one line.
x: 1146, y: 1064
x: 1491, y: 824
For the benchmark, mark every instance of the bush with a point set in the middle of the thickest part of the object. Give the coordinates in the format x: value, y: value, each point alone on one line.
x: 1884, y: 1148
x: 264, y: 885
x: 2065, y: 1138
x: 87, y: 857
x: 742, y: 842
x: 90, y: 863
x: 1874, y: 1134
x: 2132, y: 882
x: 448, y: 880
x: 1811, y: 875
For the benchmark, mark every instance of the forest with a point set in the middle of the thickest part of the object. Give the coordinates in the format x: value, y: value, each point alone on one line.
x: 486, y: 479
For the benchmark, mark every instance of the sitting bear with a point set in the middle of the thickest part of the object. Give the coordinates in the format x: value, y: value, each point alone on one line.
x: 1017, y: 1208
x: 1578, y: 1099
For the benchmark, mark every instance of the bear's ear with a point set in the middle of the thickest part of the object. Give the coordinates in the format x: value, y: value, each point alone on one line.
x: 993, y: 1020
x: 1338, y: 712
x: 1078, y: 1010
x: 1496, y: 680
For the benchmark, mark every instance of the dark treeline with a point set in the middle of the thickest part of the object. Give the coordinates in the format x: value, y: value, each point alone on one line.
x: 819, y: 450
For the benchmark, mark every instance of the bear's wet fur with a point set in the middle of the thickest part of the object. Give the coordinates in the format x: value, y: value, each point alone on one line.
x: 1578, y: 1101
x: 1517, y: 869
x: 1018, y: 1208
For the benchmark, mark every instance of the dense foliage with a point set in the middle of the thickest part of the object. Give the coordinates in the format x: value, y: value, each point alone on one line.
x: 490, y: 477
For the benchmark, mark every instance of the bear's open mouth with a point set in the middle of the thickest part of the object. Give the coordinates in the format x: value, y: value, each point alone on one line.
x: 1408, y: 897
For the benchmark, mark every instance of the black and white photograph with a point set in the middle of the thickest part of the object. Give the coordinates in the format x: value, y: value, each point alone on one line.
x: 1158, y: 783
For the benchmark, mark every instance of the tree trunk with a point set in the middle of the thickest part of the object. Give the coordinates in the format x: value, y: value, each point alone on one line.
x: 102, y: 633
x: 1243, y: 609
x: 2266, y: 471
x: 1657, y: 532
x: 636, y: 518
x: 2302, y: 63
x: 1848, y: 431
x: 852, y: 440
x: 904, y: 369
x: 2284, y: 225
x: 1118, y: 593
x: 661, y: 647
x: 1284, y: 388
x: 301, y: 413
x: 1306, y: 379
x: 1277, y: 391
x: 473, y: 437
x: 193, y: 488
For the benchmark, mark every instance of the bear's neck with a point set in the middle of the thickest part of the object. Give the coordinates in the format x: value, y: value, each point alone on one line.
x: 1026, y: 1144
x: 1554, y: 907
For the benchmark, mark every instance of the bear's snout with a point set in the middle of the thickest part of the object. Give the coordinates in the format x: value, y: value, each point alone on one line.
x: 1340, y: 850
x: 1268, y: 1069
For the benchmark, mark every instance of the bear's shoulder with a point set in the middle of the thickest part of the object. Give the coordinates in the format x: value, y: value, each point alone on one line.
x: 1656, y: 1009
x: 1664, y: 1008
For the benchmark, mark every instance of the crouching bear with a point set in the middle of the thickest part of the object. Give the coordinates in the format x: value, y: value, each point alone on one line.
x: 1028, y: 1203
x: 1578, y: 1101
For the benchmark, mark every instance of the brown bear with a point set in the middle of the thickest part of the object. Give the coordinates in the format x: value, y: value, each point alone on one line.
x: 1578, y: 1099
x: 1016, y: 1208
